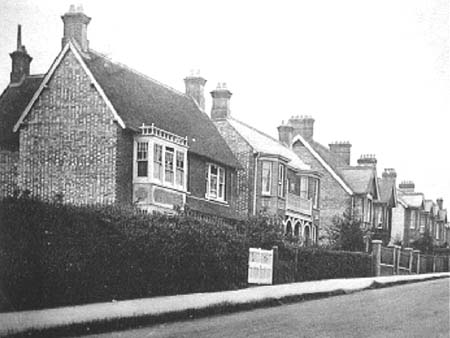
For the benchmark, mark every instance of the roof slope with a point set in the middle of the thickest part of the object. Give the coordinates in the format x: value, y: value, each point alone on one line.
x: 139, y: 100
x: 413, y: 200
x: 13, y: 101
x: 359, y: 178
x: 264, y: 143
x: 387, y: 189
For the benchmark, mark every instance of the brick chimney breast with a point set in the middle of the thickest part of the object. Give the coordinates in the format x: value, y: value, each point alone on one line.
x: 285, y: 134
x: 368, y: 160
x: 221, y: 102
x: 342, y: 149
x: 195, y: 88
x: 75, y: 27
x: 303, y: 125
x: 407, y: 186
x: 20, y: 59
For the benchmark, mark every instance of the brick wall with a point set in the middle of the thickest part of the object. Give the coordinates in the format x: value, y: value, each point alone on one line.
x: 8, y: 172
x: 124, y: 166
x: 68, y: 144
x: 245, y: 176
x: 334, y: 200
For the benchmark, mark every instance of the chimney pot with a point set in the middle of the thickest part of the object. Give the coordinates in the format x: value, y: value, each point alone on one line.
x: 303, y: 125
x: 221, y: 102
x: 368, y: 160
x: 75, y: 27
x: 20, y: 60
x: 342, y: 150
x: 407, y: 186
x: 195, y: 88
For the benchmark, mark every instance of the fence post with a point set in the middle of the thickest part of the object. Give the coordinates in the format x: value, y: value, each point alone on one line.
x: 394, y: 256
x: 275, y: 264
x: 397, y: 251
x: 296, y: 264
x: 434, y: 263
x: 376, y: 257
x: 417, y: 252
x: 410, y: 252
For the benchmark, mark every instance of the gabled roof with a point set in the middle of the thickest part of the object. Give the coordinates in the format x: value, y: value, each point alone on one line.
x: 135, y: 99
x: 387, y: 190
x: 362, y: 179
x: 13, y: 101
x: 443, y: 215
x: 266, y: 144
x: 428, y: 205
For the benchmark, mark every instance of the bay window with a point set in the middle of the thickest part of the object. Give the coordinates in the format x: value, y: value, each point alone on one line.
x: 180, y: 168
x: 215, y: 179
x: 266, y: 177
x: 169, y: 165
x: 304, y: 187
x: 158, y: 162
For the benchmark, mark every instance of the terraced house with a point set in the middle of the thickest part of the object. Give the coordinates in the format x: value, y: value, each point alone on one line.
x: 274, y: 180
x: 94, y: 131
x: 343, y: 186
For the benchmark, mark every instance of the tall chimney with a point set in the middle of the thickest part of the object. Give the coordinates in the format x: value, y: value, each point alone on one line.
x: 407, y: 186
x: 367, y: 160
x: 341, y: 149
x: 75, y: 27
x: 221, y: 102
x: 303, y: 125
x: 285, y: 132
x: 20, y: 60
x: 440, y: 203
x: 195, y: 88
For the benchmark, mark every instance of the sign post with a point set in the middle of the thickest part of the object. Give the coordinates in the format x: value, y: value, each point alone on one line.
x: 260, y: 266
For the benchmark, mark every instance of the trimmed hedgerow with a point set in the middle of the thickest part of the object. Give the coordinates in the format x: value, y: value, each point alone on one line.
x: 55, y: 255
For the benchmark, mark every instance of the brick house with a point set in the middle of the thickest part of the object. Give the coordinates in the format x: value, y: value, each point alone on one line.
x: 344, y: 187
x: 385, y: 205
x: 274, y: 180
x: 94, y: 131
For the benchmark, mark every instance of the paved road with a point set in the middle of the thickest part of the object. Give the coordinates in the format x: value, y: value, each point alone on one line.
x: 412, y: 310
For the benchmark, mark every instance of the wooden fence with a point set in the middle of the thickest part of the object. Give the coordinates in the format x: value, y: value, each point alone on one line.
x: 394, y: 260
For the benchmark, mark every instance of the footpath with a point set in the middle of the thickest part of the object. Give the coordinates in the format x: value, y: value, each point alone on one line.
x: 115, y: 315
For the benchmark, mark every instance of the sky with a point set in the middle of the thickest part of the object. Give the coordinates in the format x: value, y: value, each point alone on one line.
x: 375, y: 73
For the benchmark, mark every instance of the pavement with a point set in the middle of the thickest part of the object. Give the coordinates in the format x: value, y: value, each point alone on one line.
x: 175, y: 307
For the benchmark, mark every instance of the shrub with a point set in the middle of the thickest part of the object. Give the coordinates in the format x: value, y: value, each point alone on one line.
x: 346, y: 233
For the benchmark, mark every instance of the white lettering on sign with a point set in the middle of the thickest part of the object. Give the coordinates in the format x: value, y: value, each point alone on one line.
x: 260, y: 266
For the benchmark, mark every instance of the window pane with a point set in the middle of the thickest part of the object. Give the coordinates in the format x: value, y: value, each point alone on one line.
x: 281, y: 180
x: 157, y: 162
x: 266, y: 176
x: 142, y: 168
x: 221, y: 194
x: 180, y: 168
x: 142, y: 150
x: 213, y: 181
x: 169, y: 164
x: 304, y: 187
x: 142, y: 155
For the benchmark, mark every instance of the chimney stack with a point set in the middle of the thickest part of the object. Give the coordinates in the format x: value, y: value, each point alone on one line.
x: 20, y: 60
x: 407, y: 186
x: 440, y: 203
x: 195, y: 88
x: 341, y: 149
x: 221, y: 102
x: 285, y: 132
x: 367, y: 160
x: 303, y: 125
x: 75, y: 27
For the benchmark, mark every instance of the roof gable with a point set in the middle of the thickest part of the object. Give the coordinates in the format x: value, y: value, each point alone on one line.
x: 328, y: 167
x: 47, y: 77
x: 362, y: 180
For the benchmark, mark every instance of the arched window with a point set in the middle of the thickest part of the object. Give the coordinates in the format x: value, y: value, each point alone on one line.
x: 297, y: 229
x: 307, y: 235
x: 289, y: 228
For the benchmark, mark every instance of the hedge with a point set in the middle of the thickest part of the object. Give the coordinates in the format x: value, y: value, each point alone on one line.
x: 56, y: 255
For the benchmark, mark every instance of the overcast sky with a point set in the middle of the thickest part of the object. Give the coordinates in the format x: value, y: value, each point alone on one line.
x: 375, y: 73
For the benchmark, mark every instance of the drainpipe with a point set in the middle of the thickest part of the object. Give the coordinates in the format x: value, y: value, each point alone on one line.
x: 254, y: 186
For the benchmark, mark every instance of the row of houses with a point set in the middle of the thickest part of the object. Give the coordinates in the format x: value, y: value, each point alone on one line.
x: 91, y: 130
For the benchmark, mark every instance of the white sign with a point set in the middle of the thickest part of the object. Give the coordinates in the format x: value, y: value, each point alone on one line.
x: 260, y: 266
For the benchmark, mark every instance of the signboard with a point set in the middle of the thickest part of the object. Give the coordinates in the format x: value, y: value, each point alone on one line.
x: 260, y: 266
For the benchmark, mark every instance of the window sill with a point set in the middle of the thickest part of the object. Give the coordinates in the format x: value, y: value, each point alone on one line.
x: 210, y: 200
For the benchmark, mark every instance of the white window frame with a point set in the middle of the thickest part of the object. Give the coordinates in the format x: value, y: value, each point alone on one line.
x: 144, y: 159
x: 316, y: 194
x: 304, y: 182
x: 220, y: 184
x: 264, y: 191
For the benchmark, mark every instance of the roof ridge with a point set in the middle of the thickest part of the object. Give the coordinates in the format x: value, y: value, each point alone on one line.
x: 99, y: 54
x: 260, y: 132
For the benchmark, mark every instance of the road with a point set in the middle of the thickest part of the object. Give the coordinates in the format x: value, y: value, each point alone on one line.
x: 412, y: 310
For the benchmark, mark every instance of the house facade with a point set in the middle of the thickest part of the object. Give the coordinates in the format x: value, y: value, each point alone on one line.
x: 273, y: 179
x: 343, y: 187
x: 95, y: 131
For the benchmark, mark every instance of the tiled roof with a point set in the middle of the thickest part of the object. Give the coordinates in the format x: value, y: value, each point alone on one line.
x: 413, y: 200
x: 13, y: 101
x: 139, y: 100
x: 386, y: 189
x: 332, y: 159
x: 359, y: 178
x: 264, y: 143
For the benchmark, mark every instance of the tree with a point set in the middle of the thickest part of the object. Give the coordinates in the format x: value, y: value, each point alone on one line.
x: 424, y: 243
x: 346, y: 233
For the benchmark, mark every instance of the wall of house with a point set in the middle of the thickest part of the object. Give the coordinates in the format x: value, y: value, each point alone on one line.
x: 197, y: 173
x: 398, y: 223
x: 245, y: 176
x: 272, y: 204
x: 69, y: 142
x: 334, y: 200
x: 124, y: 166
x: 8, y: 172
